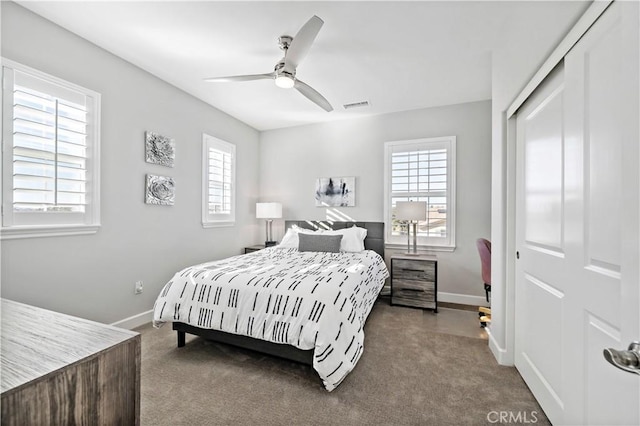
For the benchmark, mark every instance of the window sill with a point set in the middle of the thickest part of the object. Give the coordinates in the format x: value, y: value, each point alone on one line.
x: 421, y: 249
x: 217, y: 224
x: 16, y: 232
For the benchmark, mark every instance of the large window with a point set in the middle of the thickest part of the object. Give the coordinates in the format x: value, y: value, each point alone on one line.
x: 51, y: 137
x: 218, y: 182
x: 422, y: 170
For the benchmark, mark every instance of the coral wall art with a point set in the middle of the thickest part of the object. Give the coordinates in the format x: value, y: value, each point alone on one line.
x: 160, y: 190
x: 159, y: 149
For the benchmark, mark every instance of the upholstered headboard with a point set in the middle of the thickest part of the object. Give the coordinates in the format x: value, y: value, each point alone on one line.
x: 375, y: 231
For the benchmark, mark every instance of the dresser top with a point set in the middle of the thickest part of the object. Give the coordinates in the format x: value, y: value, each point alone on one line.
x: 35, y: 342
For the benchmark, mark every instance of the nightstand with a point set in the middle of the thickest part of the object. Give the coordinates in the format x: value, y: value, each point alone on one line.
x: 414, y: 281
x: 251, y: 249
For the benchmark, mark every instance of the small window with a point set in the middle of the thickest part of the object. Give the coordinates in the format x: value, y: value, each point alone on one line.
x: 422, y: 170
x: 51, y: 165
x: 218, y: 182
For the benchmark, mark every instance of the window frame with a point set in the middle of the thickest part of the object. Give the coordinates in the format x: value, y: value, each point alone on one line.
x: 217, y: 220
x: 43, y: 224
x: 425, y: 243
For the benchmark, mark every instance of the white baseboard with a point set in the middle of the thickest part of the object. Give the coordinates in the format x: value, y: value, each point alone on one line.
x: 462, y: 299
x: 500, y: 354
x: 135, y: 320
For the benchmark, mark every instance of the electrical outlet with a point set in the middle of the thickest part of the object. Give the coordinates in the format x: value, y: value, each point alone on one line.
x: 138, y: 288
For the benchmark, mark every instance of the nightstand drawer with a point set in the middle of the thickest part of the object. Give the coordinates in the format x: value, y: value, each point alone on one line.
x: 412, y: 285
x: 423, y: 298
x: 414, y: 270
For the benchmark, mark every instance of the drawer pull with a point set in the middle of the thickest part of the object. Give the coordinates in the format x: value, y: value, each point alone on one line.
x: 413, y: 270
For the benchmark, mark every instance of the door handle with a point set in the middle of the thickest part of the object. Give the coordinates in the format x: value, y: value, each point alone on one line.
x: 628, y: 360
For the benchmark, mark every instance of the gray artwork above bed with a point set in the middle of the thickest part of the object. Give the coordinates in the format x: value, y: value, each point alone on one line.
x: 336, y: 192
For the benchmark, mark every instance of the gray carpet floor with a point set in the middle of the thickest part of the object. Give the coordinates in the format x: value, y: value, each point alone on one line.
x: 408, y: 375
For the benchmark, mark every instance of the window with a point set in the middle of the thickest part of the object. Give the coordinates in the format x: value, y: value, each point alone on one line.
x: 218, y: 182
x: 422, y: 170
x: 51, y: 137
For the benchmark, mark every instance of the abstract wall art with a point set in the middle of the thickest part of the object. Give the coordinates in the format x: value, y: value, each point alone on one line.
x: 336, y: 192
x: 159, y: 149
x: 160, y: 190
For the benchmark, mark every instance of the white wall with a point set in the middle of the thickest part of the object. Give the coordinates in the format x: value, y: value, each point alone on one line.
x: 93, y: 276
x: 291, y: 159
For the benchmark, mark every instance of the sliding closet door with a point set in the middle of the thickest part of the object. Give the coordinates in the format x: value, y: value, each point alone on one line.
x: 603, y: 185
x: 578, y: 230
x: 541, y: 268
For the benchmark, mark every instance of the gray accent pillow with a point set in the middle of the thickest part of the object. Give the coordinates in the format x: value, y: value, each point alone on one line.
x: 326, y: 243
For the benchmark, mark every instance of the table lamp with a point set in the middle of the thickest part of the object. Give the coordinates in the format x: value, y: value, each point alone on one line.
x: 269, y: 211
x: 412, y: 212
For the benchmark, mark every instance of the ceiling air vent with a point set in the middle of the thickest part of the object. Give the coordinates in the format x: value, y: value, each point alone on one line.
x: 356, y: 104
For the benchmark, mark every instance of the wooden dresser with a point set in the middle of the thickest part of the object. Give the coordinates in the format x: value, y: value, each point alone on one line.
x: 57, y: 369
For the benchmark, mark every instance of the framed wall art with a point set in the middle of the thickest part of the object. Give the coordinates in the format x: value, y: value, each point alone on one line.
x: 160, y: 190
x: 336, y: 192
x: 159, y: 149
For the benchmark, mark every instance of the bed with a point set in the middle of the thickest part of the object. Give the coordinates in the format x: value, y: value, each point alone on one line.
x: 307, y: 305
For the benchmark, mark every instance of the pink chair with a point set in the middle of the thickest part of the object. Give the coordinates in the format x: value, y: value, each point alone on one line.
x: 484, y: 249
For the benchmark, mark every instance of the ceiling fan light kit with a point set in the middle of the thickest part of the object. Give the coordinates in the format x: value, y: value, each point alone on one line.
x: 285, y: 80
x: 284, y: 74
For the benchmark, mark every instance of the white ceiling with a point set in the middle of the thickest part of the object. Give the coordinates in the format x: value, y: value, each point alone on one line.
x: 396, y: 55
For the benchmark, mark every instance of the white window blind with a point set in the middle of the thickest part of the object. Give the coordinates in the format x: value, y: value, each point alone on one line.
x: 218, y: 182
x: 49, y: 152
x: 50, y: 178
x: 422, y: 170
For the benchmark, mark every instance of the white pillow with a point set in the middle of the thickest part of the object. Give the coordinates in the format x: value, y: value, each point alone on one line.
x: 352, y: 238
x: 362, y: 233
x: 290, y: 239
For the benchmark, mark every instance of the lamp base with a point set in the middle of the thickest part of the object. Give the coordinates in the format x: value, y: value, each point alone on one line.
x: 270, y: 243
x: 412, y: 249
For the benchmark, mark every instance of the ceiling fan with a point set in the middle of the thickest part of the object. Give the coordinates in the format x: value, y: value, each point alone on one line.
x: 284, y: 73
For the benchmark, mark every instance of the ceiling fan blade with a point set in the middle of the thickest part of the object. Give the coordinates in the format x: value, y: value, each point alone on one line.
x: 313, y: 95
x: 301, y: 43
x: 240, y: 78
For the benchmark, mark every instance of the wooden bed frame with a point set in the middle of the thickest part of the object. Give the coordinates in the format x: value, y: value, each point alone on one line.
x: 374, y: 241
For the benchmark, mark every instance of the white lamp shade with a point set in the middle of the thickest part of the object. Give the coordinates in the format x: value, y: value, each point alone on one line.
x: 268, y: 210
x: 411, y: 210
